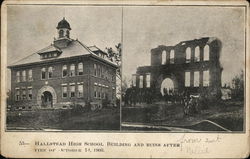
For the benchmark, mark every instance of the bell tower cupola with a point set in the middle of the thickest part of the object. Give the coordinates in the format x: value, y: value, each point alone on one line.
x: 63, y: 30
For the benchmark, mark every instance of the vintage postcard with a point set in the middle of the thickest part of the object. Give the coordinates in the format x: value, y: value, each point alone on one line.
x: 125, y: 79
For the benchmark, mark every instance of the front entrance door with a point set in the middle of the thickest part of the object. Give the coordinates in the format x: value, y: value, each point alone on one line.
x: 47, y: 100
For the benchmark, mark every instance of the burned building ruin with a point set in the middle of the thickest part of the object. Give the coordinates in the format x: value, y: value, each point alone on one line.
x: 192, y: 66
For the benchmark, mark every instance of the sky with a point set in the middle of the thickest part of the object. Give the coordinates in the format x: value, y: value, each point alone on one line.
x: 31, y: 28
x: 145, y: 28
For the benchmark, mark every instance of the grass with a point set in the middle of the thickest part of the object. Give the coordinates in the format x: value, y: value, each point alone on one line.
x: 228, y: 114
x: 105, y: 119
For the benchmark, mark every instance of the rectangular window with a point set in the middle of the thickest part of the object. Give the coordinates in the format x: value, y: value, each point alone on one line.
x: 133, y: 80
x: 80, y: 68
x: 24, y: 94
x: 187, y: 79
x: 102, y: 69
x: 64, y: 71
x: 141, y: 82
x: 95, y: 91
x: 64, y: 91
x: 206, y: 78
x: 196, y: 78
x: 99, y: 92
x: 50, y: 72
x: 80, y: 90
x: 23, y: 75
x: 17, y: 76
x: 103, y: 93
x: 148, y: 80
x: 72, y: 91
x: 30, y: 75
x: 30, y: 94
x: 17, y: 95
x: 98, y: 71
x: 72, y: 70
x: 95, y: 70
x: 43, y: 75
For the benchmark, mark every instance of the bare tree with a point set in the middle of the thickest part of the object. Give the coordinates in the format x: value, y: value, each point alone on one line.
x: 238, y: 86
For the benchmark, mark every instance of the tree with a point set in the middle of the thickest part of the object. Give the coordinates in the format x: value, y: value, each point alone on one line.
x: 10, y: 98
x: 238, y: 86
x: 115, y: 56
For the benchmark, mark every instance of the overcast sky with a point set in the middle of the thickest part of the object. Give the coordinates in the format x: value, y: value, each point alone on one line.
x: 31, y: 28
x: 147, y: 27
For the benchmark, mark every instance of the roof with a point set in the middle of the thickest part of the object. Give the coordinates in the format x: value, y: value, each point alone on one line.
x: 75, y: 48
x: 50, y: 48
x: 63, y: 24
x: 95, y: 48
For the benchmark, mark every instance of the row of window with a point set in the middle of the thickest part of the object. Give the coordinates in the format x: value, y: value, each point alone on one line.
x: 196, y: 81
x: 102, y: 92
x: 141, y: 81
x: 23, y: 94
x: 23, y: 77
x: 188, y: 55
x: 187, y: 79
x: 49, y: 55
x: 100, y: 71
x: 72, y: 91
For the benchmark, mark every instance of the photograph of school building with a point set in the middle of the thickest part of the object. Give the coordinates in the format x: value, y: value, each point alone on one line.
x: 66, y: 84
x: 63, y: 74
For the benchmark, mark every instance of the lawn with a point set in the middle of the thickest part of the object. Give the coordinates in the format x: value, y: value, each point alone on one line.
x: 228, y: 114
x: 105, y: 119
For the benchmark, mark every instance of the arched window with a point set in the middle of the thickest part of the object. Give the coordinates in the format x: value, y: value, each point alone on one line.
x: 18, y: 76
x: 43, y: 73
x: 67, y: 33
x: 172, y: 56
x: 72, y: 70
x: 80, y: 68
x: 197, y: 54
x: 60, y: 33
x: 50, y: 72
x: 188, y: 55
x: 206, y: 53
x: 163, y: 57
x: 64, y: 71
x: 24, y: 75
x: 30, y: 75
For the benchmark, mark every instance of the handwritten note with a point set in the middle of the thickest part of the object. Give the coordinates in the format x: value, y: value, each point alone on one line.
x: 197, y: 145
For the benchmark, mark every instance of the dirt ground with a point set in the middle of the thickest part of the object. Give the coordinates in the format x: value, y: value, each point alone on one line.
x: 228, y: 114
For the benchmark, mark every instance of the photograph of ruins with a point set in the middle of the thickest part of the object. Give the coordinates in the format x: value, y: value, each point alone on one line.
x: 63, y: 84
x: 181, y: 72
